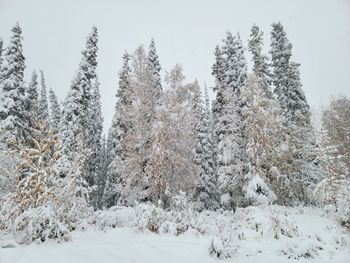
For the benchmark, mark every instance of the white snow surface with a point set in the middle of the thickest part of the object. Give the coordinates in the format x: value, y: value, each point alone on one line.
x: 253, y: 234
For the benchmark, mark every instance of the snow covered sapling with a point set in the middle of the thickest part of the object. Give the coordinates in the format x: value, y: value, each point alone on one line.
x: 31, y: 211
x: 256, y: 191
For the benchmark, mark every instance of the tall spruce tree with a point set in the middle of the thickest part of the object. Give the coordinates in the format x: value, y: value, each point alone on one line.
x: 281, y: 52
x: 102, y: 175
x: 261, y: 66
x: 154, y: 68
x: 75, y: 115
x: 43, y: 104
x: 209, y: 146
x: 218, y: 71
x: 297, y: 117
x: 1, y: 50
x: 32, y: 99
x: 55, y: 111
x: 12, y: 101
x: 228, y: 126
x: 95, y: 140
x: 206, y: 194
x: 121, y: 125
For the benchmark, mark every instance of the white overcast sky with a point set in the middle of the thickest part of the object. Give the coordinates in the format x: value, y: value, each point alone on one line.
x: 185, y: 32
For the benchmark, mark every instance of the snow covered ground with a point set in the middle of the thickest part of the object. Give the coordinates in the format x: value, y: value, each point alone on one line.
x: 254, y: 234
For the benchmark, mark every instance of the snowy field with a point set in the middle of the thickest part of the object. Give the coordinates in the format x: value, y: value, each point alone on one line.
x: 254, y: 234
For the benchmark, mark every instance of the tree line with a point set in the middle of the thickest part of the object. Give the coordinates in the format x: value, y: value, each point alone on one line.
x: 254, y: 144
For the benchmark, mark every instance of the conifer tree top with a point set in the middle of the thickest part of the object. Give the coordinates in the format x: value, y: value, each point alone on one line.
x: 153, y: 58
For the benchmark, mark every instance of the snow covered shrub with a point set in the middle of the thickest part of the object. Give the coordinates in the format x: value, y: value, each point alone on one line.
x: 246, y: 226
x: 283, y: 225
x: 221, y: 248
x: 8, y: 161
x: 116, y: 216
x: 73, y: 192
x: 223, y: 245
x: 148, y: 216
x: 180, y: 202
x: 294, y: 251
x: 256, y: 192
x: 175, y: 220
x: 38, y: 225
x: 343, y: 204
x: 227, y: 201
x: 153, y: 222
x: 181, y: 213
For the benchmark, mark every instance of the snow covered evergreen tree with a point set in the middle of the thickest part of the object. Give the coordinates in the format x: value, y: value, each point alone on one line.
x: 297, y: 117
x: 32, y: 105
x: 73, y: 122
x: 230, y: 73
x: 102, y: 174
x: 76, y: 135
x: 43, y: 104
x: 261, y: 66
x: 116, y: 142
x: 206, y: 194
x: 218, y: 71
x: 281, y: 52
x: 95, y: 143
x: 154, y: 68
x: 12, y: 101
x: 75, y: 114
x: 1, y: 50
x: 55, y: 111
